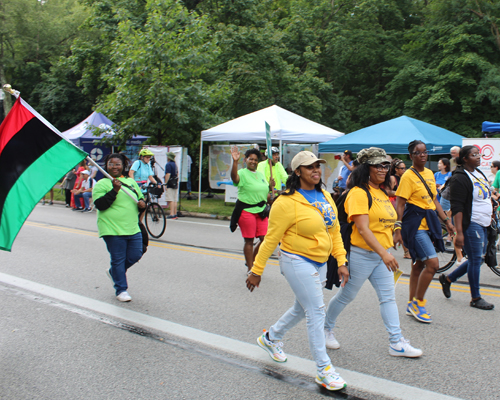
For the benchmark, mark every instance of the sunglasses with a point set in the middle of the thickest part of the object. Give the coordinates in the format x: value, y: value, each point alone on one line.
x: 401, y: 167
x: 381, y: 167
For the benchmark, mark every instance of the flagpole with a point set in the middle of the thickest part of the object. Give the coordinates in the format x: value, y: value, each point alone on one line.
x: 7, y: 88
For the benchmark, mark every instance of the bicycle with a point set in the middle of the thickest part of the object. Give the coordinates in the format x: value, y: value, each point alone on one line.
x: 448, y: 258
x: 155, y: 219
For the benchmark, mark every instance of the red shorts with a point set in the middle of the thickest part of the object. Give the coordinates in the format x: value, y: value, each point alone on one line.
x: 252, y: 225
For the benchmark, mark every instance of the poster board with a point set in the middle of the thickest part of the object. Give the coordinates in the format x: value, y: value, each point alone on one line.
x: 220, y: 162
x: 489, y: 148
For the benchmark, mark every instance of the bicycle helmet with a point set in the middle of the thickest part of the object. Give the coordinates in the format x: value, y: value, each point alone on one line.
x: 273, y: 150
x: 146, y: 152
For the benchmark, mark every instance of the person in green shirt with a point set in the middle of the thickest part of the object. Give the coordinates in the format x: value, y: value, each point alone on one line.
x: 279, y: 174
x: 253, y: 190
x: 495, y: 167
x: 118, y: 221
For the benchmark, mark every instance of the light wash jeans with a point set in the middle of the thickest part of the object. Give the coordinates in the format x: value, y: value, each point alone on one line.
x: 307, y: 282
x: 363, y: 265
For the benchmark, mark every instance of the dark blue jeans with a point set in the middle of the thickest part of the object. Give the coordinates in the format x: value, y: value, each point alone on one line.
x: 475, y: 242
x: 124, y: 251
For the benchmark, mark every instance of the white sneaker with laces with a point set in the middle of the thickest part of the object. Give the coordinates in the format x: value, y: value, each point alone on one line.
x: 124, y: 296
x: 329, y: 379
x: 330, y: 341
x: 404, y: 349
x: 272, y: 347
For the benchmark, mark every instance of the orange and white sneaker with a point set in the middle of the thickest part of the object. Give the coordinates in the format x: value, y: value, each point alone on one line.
x: 272, y: 347
x: 329, y: 379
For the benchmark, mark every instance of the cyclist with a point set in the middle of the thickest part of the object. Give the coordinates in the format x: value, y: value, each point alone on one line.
x: 141, y: 169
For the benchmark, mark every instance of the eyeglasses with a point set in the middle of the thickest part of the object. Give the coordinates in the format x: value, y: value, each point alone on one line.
x: 476, y: 155
x: 114, y: 165
x: 381, y: 167
x: 420, y: 153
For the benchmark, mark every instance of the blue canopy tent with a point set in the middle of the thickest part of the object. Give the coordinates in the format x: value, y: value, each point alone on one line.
x: 491, y: 127
x: 83, y: 136
x: 393, y: 136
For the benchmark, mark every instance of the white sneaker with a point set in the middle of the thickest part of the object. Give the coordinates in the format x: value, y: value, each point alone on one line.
x: 330, y: 341
x: 124, y: 296
x: 329, y: 379
x: 404, y: 349
x: 273, y: 348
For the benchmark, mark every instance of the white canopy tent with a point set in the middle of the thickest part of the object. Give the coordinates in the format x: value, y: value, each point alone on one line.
x: 285, y: 127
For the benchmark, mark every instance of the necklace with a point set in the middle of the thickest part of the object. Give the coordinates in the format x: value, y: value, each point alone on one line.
x: 314, y: 199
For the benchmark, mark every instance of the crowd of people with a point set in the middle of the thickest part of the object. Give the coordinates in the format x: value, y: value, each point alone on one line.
x: 382, y: 203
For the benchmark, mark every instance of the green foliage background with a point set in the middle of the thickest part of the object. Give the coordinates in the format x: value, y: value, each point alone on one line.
x: 169, y: 69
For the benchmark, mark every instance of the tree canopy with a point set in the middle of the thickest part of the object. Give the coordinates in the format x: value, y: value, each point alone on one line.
x: 168, y: 69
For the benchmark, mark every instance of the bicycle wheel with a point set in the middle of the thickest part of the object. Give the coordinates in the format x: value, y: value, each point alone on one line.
x: 448, y: 258
x: 155, y: 220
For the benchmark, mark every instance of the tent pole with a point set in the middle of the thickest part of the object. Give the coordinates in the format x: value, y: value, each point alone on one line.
x: 199, y: 176
x: 281, y: 152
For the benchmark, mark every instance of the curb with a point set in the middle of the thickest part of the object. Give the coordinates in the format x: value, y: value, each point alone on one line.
x: 183, y: 213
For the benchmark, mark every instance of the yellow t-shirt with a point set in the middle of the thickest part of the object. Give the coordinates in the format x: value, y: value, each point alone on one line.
x: 382, y: 216
x: 413, y: 190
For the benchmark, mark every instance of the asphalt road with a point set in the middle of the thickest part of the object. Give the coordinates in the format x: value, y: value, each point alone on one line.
x: 64, y: 335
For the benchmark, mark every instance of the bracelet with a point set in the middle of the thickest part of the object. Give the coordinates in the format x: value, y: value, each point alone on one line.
x: 396, y: 228
x: 252, y: 273
x: 446, y: 219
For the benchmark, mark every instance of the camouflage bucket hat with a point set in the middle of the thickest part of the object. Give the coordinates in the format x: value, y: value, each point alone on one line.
x: 372, y: 156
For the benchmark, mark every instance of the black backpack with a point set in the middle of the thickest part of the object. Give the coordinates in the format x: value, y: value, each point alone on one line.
x: 332, y: 276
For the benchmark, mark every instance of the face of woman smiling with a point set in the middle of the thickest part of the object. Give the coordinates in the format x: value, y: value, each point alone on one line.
x: 310, y: 175
x: 252, y: 162
x: 115, y: 167
x: 378, y: 174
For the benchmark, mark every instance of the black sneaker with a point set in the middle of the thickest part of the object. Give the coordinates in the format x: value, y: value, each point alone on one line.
x: 446, y: 285
x: 481, y: 304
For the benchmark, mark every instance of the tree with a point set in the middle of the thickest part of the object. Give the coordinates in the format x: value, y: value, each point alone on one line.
x: 156, y: 85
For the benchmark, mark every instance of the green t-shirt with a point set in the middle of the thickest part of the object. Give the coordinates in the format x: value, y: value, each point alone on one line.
x: 496, y: 182
x: 252, y: 189
x: 279, y: 174
x: 122, y: 218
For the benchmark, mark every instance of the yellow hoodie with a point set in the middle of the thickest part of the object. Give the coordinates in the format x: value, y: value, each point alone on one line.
x: 301, y: 229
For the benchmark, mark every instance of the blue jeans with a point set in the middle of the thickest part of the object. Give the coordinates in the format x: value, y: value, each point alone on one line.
x: 423, y: 246
x: 363, y: 265
x: 475, y: 242
x: 86, y: 196
x: 124, y: 251
x: 307, y: 282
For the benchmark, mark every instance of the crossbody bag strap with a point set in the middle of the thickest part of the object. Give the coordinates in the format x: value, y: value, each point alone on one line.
x: 423, y: 181
x: 130, y: 187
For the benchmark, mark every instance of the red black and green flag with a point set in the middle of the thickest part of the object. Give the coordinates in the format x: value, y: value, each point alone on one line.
x: 33, y: 157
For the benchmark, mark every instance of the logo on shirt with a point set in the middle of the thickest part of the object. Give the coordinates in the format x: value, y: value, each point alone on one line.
x: 327, y: 211
x: 482, y: 190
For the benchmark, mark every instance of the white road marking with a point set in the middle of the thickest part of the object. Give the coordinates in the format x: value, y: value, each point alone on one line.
x: 294, y: 364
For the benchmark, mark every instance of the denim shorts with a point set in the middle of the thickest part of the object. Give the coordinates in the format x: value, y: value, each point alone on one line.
x: 423, y: 246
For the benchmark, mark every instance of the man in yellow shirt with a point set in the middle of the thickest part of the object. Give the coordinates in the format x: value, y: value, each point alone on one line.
x: 279, y: 174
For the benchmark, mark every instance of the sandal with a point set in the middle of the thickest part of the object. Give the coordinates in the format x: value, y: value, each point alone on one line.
x: 407, y: 254
x: 481, y: 304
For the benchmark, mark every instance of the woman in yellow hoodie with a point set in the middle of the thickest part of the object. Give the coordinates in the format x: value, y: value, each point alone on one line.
x: 304, y: 220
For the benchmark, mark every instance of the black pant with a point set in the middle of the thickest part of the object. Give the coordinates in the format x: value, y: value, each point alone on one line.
x: 67, y: 192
